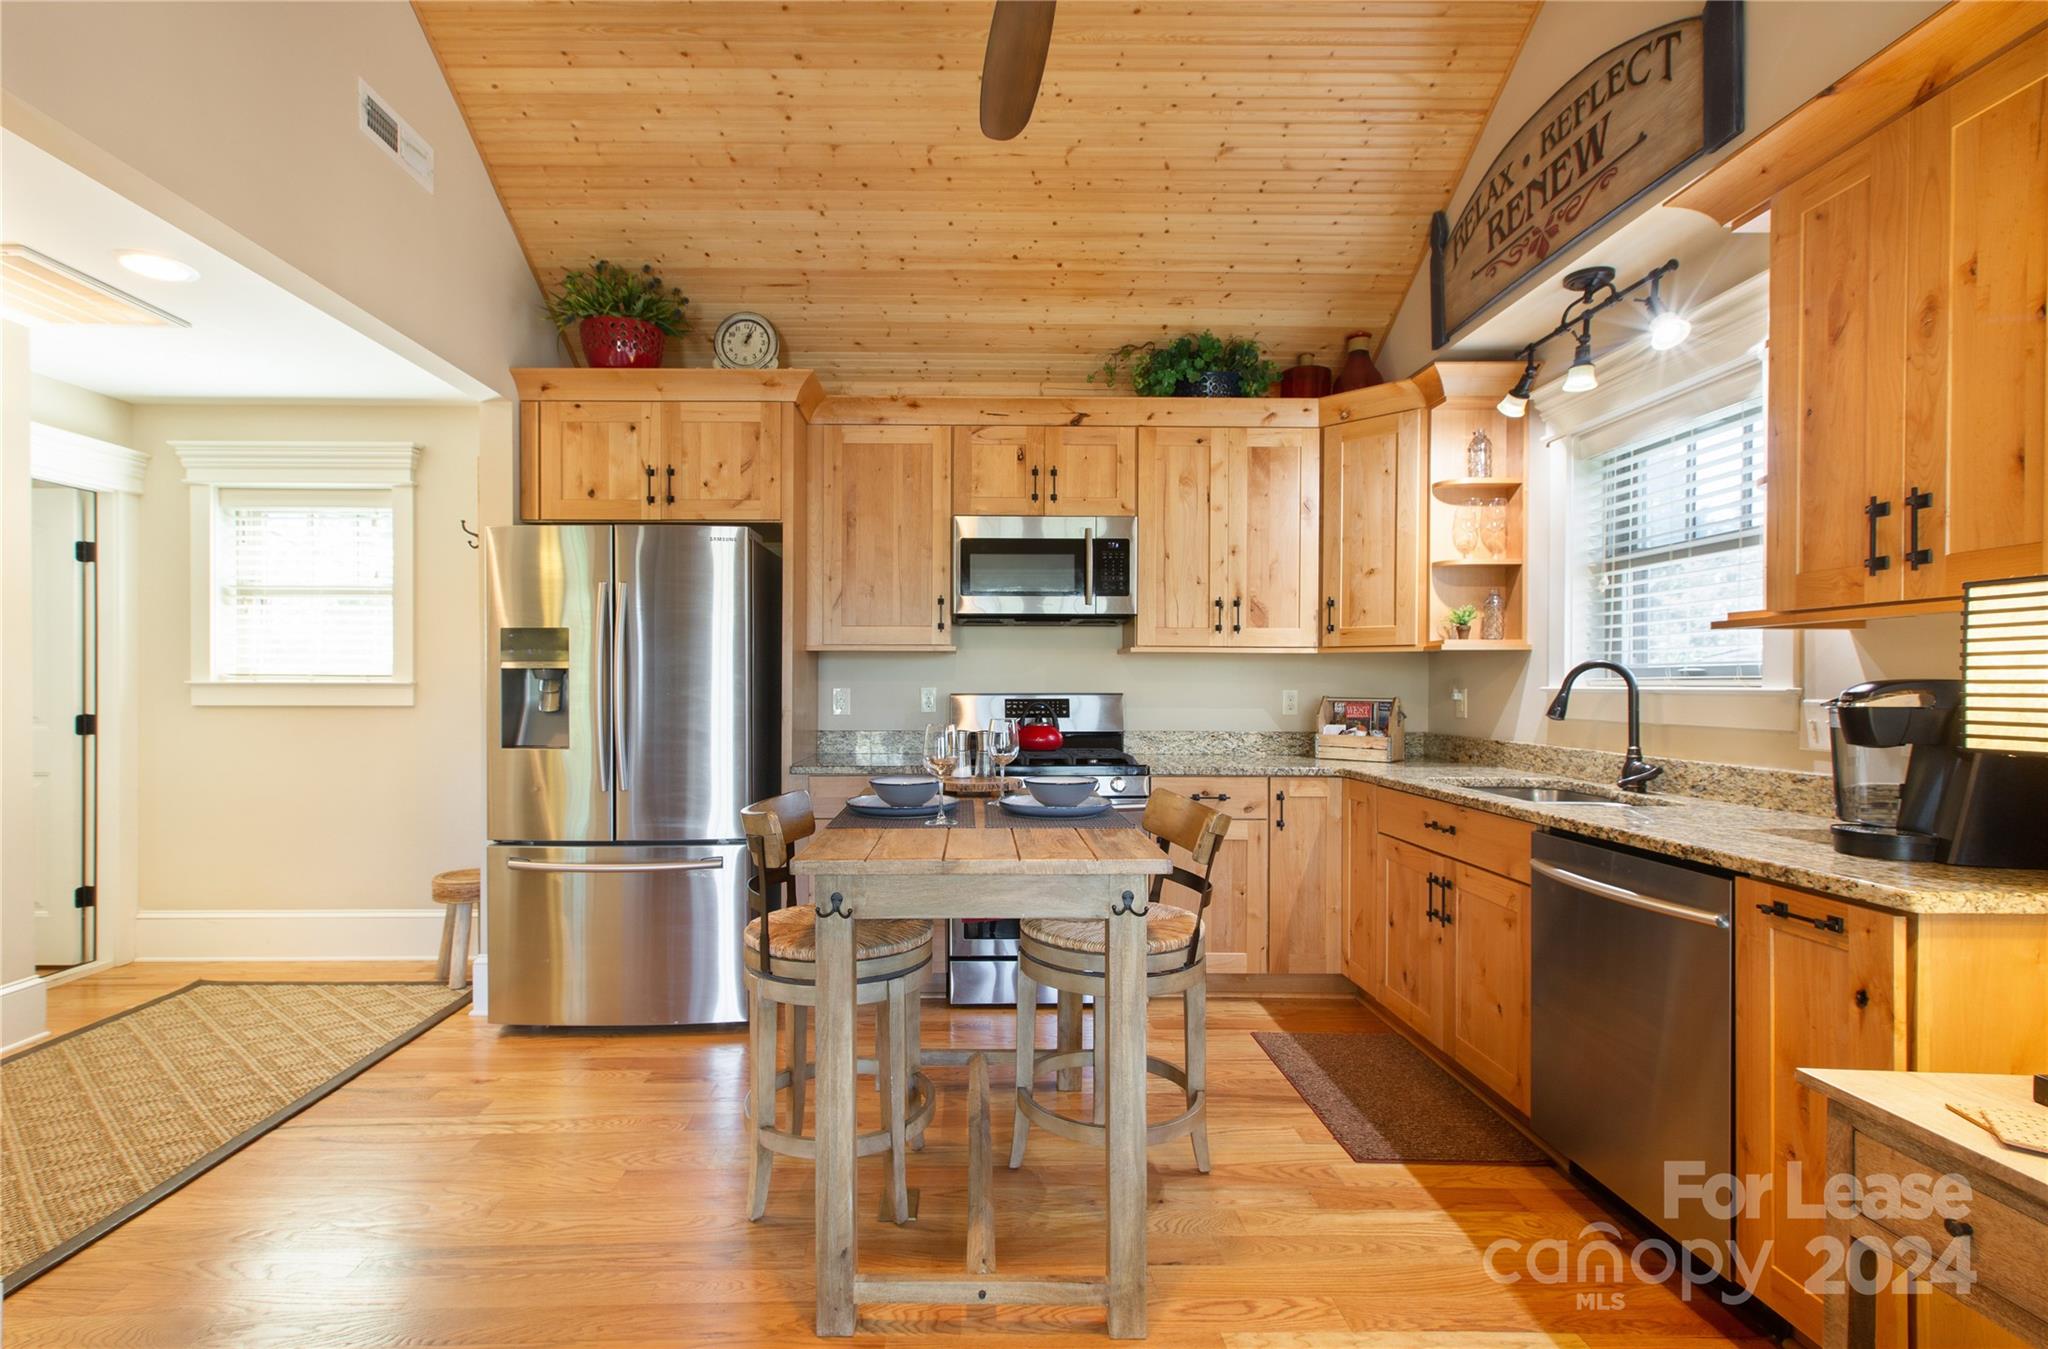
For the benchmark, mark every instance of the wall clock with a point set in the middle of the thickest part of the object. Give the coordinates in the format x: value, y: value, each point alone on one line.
x: 745, y: 342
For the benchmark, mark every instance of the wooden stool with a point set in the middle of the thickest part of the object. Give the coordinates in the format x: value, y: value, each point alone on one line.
x: 780, y: 955
x: 458, y: 891
x: 1072, y: 956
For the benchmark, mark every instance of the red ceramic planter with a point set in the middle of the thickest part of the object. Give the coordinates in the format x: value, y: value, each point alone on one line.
x: 618, y: 343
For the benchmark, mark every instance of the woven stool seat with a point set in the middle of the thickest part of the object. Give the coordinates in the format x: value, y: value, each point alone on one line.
x: 457, y: 887
x: 793, y: 935
x: 1166, y: 929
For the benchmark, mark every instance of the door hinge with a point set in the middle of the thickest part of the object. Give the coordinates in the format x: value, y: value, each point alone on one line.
x: 85, y: 723
x: 86, y: 896
x: 85, y: 550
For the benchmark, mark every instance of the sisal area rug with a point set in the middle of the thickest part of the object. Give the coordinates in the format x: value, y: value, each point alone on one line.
x: 1386, y: 1101
x: 100, y: 1123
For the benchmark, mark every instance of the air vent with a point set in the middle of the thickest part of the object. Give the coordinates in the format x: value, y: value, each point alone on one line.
x: 393, y: 136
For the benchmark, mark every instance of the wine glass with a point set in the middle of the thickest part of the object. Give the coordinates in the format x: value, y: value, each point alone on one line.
x: 941, y: 752
x: 1002, y: 745
x: 1493, y: 526
x: 1465, y: 529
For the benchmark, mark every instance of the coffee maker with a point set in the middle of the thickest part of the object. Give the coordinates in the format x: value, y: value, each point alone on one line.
x: 1905, y: 791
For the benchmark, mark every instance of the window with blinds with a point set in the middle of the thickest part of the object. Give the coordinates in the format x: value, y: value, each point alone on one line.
x: 1673, y: 530
x: 304, y: 585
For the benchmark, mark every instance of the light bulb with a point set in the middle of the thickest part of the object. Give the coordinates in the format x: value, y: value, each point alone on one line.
x: 1581, y: 378
x: 1667, y: 330
x: 1512, y: 405
x: 156, y: 266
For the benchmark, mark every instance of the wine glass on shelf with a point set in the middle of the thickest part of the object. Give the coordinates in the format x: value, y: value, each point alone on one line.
x: 1002, y: 747
x: 1465, y: 529
x: 941, y: 753
x: 1493, y: 526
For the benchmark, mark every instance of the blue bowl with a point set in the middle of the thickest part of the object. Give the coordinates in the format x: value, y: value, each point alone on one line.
x: 1060, y: 791
x: 905, y: 791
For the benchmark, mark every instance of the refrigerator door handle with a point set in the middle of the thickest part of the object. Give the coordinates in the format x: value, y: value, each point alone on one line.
x: 603, y: 681
x: 692, y: 864
x: 622, y: 711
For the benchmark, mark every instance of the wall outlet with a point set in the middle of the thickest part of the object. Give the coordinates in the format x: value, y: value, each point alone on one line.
x: 927, y: 700
x: 842, y: 702
x: 1290, y: 702
x: 1461, y: 703
x: 1813, y: 724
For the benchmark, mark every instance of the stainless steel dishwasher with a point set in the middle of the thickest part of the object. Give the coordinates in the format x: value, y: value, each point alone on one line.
x: 1632, y: 1025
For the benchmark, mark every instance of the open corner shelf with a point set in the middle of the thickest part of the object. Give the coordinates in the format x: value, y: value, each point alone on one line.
x: 1477, y: 644
x: 1463, y: 489
x: 1449, y: 562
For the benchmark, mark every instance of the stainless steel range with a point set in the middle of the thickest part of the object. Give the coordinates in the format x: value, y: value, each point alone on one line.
x: 982, y: 954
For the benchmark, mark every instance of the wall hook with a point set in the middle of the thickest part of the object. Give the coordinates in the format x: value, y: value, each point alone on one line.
x: 473, y: 535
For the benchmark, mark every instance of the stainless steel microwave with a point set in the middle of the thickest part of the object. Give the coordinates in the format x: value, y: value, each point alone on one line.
x: 1044, y: 568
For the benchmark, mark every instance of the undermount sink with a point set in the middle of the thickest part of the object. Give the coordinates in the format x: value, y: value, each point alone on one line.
x: 1560, y: 796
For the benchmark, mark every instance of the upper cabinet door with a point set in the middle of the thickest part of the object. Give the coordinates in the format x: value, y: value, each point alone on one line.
x: 1976, y: 416
x: 881, y: 535
x: 1091, y: 470
x: 999, y: 470
x: 1182, y: 490
x: 1372, y: 531
x: 1275, y: 509
x: 722, y: 461
x: 598, y: 461
x: 1837, y: 357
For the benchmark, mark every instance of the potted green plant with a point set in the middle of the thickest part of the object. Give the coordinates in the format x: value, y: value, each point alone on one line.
x: 1201, y: 365
x: 620, y: 316
x: 1461, y: 620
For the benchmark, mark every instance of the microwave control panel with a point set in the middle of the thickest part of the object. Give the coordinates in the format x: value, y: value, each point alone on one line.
x: 1113, y: 567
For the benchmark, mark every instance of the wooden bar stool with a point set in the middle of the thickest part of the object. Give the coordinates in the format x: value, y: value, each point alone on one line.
x: 781, y: 968
x: 457, y: 892
x: 1072, y: 955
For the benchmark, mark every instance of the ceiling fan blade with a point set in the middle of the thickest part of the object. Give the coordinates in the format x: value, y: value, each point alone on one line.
x: 1018, y: 35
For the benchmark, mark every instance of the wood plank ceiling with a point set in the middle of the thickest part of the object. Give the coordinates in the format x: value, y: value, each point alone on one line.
x: 1260, y: 168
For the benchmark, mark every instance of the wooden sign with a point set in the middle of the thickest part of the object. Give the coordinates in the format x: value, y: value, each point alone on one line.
x: 1609, y: 134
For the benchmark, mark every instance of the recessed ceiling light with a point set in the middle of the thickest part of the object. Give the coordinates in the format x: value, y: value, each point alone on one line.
x: 156, y: 266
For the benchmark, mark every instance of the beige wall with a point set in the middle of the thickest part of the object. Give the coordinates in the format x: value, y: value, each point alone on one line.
x: 235, y: 122
x: 1164, y: 693
x: 17, y: 836
x: 312, y: 807
x: 80, y: 411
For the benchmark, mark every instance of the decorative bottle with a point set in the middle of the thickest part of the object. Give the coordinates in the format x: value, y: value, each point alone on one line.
x: 1493, y: 617
x: 1479, y: 456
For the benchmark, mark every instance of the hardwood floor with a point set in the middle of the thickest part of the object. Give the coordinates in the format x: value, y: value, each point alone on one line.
x: 486, y: 1187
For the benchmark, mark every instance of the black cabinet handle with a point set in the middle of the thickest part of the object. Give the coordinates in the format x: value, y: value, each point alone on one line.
x: 1430, y: 912
x: 1237, y: 614
x: 1433, y: 826
x: 1053, y: 475
x: 1219, y: 613
x: 671, y: 484
x: 1280, y: 810
x: 1034, y: 482
x: 1210, y: 796
x: 1916, y: 502
x: 1443, y: 902
x: 1780, y: 909
x: 942, y: 613
x: 1330, y: 614
x: 1874, y: 561
x: 650, y: 484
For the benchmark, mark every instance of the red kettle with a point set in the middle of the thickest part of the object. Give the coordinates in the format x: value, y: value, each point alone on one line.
x: 1039, y: 733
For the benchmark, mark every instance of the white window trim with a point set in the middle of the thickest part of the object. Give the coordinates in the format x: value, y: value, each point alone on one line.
x: 211, y: 465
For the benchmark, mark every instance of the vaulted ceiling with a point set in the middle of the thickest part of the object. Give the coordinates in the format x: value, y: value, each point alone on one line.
x: 1264, y: 169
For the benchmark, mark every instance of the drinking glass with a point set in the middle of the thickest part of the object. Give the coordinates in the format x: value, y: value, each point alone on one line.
x: 1465, y: 529
x: 941, y: 752
x: 1493, y: 526
x: 1002, y: 746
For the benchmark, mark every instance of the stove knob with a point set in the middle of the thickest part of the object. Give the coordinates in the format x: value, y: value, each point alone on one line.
x: 1116, y: 784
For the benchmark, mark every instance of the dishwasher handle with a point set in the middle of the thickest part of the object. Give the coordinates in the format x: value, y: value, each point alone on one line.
x: 1621, y: 895
x: 690, y: 864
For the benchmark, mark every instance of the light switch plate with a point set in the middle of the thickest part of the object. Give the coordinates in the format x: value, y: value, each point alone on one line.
x: 1813, y: 724
x: 842, y: 702
x: 927, y: 700
x: 1461, y: 703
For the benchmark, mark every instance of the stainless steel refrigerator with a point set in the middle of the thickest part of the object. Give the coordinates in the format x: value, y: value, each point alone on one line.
x: 635, y: 707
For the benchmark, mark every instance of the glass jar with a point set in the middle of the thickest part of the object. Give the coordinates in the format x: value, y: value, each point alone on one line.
x: 1493, y: 617
x: 1465, y: 529
x: 1479, y: 456
x: 1493, y: 526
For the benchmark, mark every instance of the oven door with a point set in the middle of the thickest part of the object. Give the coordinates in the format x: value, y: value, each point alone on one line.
x: 1011, y: 568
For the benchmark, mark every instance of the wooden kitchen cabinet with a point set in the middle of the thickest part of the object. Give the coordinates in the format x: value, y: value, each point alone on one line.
x: 1237, y: 920
x: 1373, y: 552
x: 721, y: 461
x: 1487, y: 927
x: 1361, y: 888
x: 1304, y: 894
x: 1045, y: 470
x: 1413, y: 959
x: 1909, y: 352
x: 1228, y: 530
x: 598, y: 461
x: 881, y: 537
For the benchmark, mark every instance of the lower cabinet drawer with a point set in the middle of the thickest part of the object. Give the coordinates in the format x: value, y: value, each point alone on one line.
x: 2007, y: 1250
x: 1490, y: 842
x: 1239, y: 798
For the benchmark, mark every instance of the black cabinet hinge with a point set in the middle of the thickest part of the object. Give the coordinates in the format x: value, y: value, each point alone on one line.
x: 85, y: 723
x: 85, y: 550
x: 86, y: 896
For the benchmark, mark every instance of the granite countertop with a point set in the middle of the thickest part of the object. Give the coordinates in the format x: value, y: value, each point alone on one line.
x: 1773, y: 845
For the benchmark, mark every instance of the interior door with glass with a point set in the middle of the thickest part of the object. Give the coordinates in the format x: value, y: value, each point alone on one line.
x: 64, y: 736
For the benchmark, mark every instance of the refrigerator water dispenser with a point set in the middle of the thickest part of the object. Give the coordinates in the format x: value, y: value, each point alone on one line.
x: 533, y: 673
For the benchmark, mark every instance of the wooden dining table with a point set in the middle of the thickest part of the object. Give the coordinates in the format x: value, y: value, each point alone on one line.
x: 1100, y: 869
